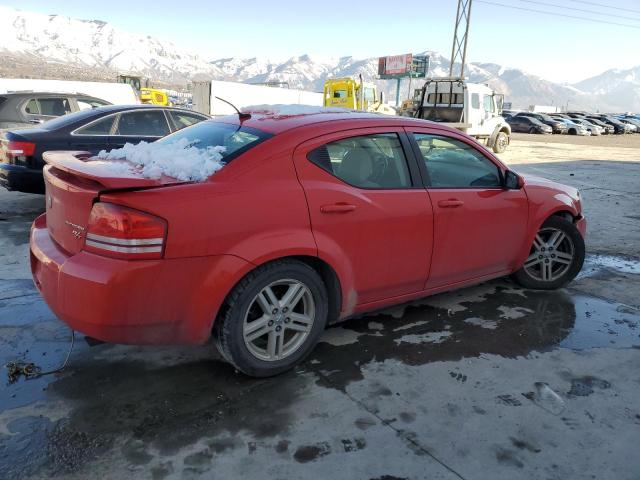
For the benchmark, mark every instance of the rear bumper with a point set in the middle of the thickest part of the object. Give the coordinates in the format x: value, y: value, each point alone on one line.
x: 21, y: 179
x: 168, y: 301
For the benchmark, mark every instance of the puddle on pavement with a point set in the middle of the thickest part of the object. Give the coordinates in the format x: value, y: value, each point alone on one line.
x: 160, y: 406
x: 595, y: 263
x: 502, y: 321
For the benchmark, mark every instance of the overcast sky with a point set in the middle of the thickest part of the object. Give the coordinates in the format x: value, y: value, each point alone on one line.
x: 557, y: 48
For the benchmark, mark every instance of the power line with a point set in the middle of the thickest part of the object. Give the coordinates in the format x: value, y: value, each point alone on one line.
x: 604, y: 5
x: 559, y: 14
x: 626, y: 17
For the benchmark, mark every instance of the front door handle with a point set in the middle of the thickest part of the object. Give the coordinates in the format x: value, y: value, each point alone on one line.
x: 451, y: 203
x: 337, y: 208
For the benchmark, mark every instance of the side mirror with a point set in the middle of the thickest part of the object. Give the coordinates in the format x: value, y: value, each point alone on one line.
x: 381, y: 97
x: 512, y: 181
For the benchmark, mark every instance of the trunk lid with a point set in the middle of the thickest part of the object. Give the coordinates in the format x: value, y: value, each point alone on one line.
x: 74, y: 182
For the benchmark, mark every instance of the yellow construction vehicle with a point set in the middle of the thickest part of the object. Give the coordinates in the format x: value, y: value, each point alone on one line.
x: 146, y: 93
x: 154, y: 96
x: 355, y: 95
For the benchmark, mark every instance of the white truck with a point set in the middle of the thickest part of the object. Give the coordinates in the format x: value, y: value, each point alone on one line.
x: 472, y: 108
x: 114, y: 93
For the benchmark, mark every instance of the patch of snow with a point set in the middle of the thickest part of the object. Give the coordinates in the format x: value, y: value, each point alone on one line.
x: 482, y: 323
x: 430, y: 337
x: 410, y: 325
x: 375, y: 326
x: 511, y: 313
x: 179, y: 159
x: 339, y: 336
x: 283, y: 110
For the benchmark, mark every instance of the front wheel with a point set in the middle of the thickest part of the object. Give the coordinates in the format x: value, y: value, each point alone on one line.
x: 272, y: 319
x: 555, y: 258
x: 533, y: 130
x: 502, y: 141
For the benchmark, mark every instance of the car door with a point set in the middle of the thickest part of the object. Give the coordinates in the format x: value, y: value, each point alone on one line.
x: 369, y: 213
x: 147, y: 124
x: 479, y: 226
x: 94, y: 135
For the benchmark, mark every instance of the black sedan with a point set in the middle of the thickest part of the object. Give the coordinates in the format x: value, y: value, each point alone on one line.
x: 556, y: 125
x: 93, y: 130
x: 527, y: 124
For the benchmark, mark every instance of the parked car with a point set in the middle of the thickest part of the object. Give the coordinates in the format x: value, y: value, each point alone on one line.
x: 90, y: 130
x: 619, y: 128
x: 528, y: 125
x: 556, y: 125
x: 314, y: 218
x: 608, y: 129
x: 591, y: 128
x: 574, y: 128
x: 634, y: 123
x: 25, y: 109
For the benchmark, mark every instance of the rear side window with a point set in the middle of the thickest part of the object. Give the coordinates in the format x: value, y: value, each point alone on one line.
x: 32, y: 107
x: 2, y: 100
x: 235, y: 140
x: 369, y: 161
x: 147, y: 123
x: 183, y: 119
x: 454, y: 164
x: 99, y: 127
x: 54, y: 107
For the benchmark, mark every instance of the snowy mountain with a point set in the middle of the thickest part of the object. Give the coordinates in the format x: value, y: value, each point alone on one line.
x: 53, y: 46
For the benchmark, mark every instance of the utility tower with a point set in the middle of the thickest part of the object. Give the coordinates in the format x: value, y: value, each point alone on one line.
x: 460, y: 36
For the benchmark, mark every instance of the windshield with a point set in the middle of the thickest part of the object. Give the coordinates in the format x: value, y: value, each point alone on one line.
x: 235, y: 139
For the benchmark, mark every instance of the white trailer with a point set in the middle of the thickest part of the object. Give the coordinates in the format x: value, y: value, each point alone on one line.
x: 243, y: 95
x: 115, y: 93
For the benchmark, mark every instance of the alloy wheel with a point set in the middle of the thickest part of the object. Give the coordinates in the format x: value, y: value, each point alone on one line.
x: 551, y: 255
x: 278, y: 320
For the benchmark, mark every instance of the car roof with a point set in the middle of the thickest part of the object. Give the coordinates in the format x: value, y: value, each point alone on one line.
x: 275, y: 121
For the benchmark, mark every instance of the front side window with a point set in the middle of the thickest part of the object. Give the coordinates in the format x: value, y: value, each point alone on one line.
x: 475, y: 101
x: 368, y: 161
x: 54, y: 107
x: 339, y: 94
x: 145, y: 123
x: 452, y: 163
x: 369, y: 95
x: 488, y: 104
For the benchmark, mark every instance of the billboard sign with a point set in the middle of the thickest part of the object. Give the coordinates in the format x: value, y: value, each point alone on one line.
x: 395, y: 65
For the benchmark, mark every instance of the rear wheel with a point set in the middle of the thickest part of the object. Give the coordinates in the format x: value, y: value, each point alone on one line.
x: 502, y: 141
x: 555, y: 258
x: 272, y: 319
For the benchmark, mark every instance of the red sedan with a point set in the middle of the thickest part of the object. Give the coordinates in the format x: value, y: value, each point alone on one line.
x: 314, y: 218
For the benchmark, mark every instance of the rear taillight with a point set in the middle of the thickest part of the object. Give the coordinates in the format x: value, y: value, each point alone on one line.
x: 122, y: 232
x: 17, y: 150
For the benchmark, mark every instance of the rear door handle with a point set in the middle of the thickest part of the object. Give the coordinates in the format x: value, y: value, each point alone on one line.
x: 451, y: 203
x: 337, y: 208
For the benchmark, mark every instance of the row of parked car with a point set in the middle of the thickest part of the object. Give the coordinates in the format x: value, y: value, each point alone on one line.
x: 89, y: 129
x: 572, y: 123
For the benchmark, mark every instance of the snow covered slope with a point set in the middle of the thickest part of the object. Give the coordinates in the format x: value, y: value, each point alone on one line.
x: 53, y: 46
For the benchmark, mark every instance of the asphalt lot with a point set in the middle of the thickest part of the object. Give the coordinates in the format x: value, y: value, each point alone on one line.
x: 490, y: 382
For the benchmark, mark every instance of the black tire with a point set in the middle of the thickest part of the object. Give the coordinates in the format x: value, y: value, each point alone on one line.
x: 572, y: 131
x: 228, y: 327
x: 501, y: 143
x: 533, y: 130
x: 524, y: 278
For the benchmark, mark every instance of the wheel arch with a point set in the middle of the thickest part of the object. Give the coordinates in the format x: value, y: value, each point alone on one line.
x: 326, y: 272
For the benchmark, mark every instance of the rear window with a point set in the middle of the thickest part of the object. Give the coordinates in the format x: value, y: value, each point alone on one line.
x: 236, y: 139
x: 70, y: 119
